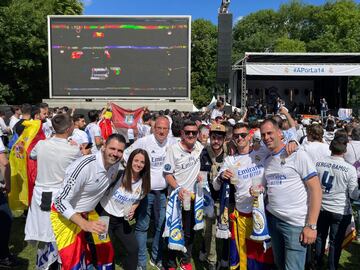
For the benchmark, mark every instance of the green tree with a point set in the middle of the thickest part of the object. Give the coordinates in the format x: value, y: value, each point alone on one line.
x: 285, y: 44
x: 23, y: 48
x: 203, y: 61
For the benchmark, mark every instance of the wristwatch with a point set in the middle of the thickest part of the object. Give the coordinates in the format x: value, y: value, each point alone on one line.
x: 311, y: 226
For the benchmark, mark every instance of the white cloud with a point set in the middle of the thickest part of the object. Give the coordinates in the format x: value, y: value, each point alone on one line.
x: 87, y: 2
x: 237, y: 19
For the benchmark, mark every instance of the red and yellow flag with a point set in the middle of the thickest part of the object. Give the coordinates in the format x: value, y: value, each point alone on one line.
x: 23, y: 169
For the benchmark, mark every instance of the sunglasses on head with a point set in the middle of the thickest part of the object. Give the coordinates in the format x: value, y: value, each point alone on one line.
x: 193, y: 132
x: 238, y: 135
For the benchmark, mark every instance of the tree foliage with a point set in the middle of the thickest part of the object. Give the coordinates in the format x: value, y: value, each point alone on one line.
x: 23, y: 49
x: 203, y: 61
x: 299, y: 27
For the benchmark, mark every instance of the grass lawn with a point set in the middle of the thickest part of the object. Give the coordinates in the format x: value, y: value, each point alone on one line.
x: 350, y: 257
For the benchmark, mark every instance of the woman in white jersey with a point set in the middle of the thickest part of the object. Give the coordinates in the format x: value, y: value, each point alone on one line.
x: 129, y: 190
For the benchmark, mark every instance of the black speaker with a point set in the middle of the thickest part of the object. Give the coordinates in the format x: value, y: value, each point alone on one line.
x: 224, y: 47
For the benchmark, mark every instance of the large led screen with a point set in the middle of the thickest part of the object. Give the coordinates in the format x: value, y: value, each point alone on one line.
x: 119, y: 56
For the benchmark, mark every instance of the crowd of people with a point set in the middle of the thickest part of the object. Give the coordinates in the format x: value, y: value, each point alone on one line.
x: 292, y: 182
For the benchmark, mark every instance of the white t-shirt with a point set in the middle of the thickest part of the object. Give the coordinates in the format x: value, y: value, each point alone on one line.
x: 143, y: 130
x: 93, y: 130
x: 352, y: 152
x: 289, y: 135
x: 13, y: 121
x: 53, y: 156
x: 157, y: 154
x: 2, y: 147
x: 285, y: 181
x: 316, y: 150
x: 339, y: 183
x: 184, y: 165
x: 3, y: 127
x: 215, y: 113
x: 249, y: 166
x: 48, y: 128
x: 114, y: 200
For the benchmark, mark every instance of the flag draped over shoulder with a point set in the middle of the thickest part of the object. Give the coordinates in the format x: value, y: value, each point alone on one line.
x: 23, y: 169
x: 123, y: 118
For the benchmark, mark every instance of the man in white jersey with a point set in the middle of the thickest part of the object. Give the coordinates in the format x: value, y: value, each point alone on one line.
x: 155, y: 145
x: 294, y: 199
x: 248, y: 165
x: 181, y: 169
x: 314, y: 146
x: 86, y: 181
x: 53, y: 157
x: 339, y: 184
x: 93, y: 131
x: 79, y: 136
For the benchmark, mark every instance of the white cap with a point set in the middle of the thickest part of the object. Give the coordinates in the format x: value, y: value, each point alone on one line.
x: 231, y: 121
x: 306, y: 122
x: 257, y: 135
x: 80, y: 137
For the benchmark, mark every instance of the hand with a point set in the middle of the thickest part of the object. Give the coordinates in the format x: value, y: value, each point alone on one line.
x: 199, y: 178
x: 255, y: 191
x: 227, y: 174
x: 97, y: 226
x: 131, y: 213
x: 181, y: 193
x: 283, y: 110
x: 291, y: 147
x: 308, y: 236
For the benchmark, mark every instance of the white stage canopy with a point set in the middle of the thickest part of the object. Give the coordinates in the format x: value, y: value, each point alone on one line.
x: 302, y: 64
x: 302, y: 70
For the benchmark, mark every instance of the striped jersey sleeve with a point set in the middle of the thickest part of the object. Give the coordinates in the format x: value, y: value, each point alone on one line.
x: 75, y: 178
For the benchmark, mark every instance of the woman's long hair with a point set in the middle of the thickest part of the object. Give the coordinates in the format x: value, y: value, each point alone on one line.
x: 144, y: 173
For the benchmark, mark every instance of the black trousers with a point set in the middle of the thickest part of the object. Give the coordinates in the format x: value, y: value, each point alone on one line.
x: 120, y: 230
x: 188, y: 220
x: 337, y: 224
x: 5, y: 226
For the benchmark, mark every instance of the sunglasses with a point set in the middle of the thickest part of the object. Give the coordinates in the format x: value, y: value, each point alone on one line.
x: 193, y: 132
x: 238, y: 135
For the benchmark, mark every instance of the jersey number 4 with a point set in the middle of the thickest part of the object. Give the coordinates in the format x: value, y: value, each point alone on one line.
x: 326, y: 181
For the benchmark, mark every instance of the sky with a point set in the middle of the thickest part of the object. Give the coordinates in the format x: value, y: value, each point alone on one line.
x: 206, y: 9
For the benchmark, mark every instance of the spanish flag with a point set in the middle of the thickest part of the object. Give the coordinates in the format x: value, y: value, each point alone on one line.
x: 23, y: 169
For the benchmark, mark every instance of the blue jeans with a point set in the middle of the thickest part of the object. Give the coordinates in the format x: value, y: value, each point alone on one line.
x: 142, y: 225
x: 288, y: 252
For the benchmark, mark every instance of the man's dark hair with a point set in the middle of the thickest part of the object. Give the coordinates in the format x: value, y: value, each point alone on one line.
x: 26, y: 108
x: 43, y: 105
x: 78, y: 116
x: 338, y: 145
x: 93, y: 115
x: 330, y: 125
x: 189, y: 123
x: 14, y: 108
x: 167, y: 112
x: 61, y: 122
x: 241, y: 125
x: 146, y: 117
x: 355, y: 134
x: 177, y: 126
x: 34, y: 111
x: 118, y: 137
